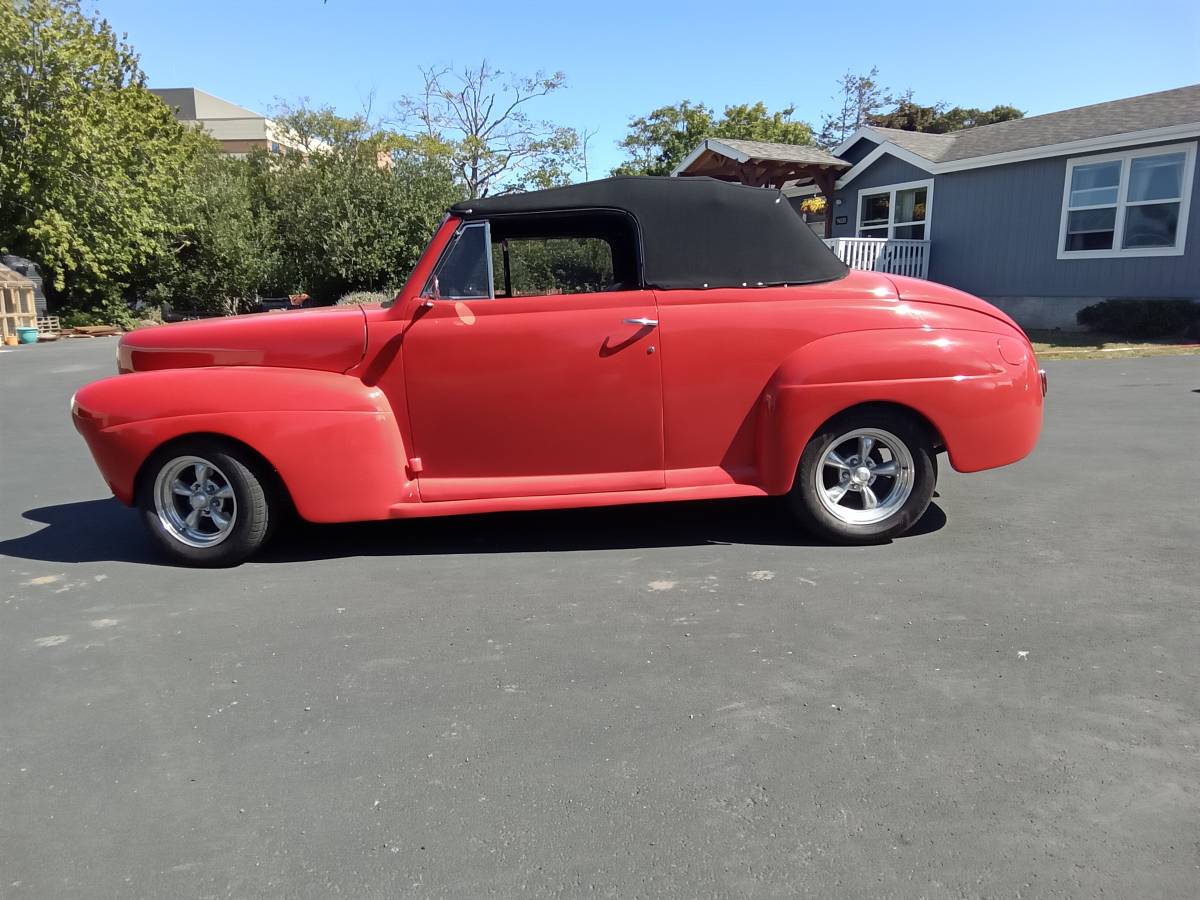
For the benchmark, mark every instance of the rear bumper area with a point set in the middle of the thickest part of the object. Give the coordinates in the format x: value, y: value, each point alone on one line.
x: 994, y: 421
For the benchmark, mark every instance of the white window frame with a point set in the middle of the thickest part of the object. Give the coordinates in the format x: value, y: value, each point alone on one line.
x: 1125, y: 157
x: 892, y: 224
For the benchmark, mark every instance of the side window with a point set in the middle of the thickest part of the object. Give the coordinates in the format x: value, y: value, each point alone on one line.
x: 464, y: 271
x: 538, y: 267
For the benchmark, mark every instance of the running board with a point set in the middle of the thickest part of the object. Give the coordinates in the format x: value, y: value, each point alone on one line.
x: 573, y: 501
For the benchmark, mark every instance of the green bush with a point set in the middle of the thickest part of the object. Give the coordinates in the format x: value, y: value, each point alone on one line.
x: 1142, y: 318
x: 107, y: 311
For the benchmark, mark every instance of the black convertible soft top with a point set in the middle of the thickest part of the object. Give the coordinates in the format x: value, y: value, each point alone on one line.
x: 695, y: 232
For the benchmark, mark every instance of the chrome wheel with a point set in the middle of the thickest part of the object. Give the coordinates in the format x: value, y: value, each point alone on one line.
x: 864, y: 476
x: 194, y: 501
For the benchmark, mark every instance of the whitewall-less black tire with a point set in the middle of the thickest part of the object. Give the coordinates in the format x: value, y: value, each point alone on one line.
x: 206, y: 503
x: 867, y: 476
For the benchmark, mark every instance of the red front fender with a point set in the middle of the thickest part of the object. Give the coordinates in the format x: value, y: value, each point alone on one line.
x: 333, y: 440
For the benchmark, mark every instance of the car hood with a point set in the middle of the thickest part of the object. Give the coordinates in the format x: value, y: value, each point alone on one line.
x: 330, y: 339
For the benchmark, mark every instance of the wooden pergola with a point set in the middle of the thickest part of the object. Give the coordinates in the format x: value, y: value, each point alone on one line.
x: 762, y: 164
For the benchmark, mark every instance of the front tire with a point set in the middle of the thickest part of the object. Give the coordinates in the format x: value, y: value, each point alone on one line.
x: 867, y: 476
x: 206, y: 503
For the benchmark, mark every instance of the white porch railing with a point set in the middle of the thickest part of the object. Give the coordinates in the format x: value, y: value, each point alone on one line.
x: 896, y: 256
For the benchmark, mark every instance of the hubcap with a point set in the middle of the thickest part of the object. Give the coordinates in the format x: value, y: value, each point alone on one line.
x: 194, y: 501
x: 864, y: 476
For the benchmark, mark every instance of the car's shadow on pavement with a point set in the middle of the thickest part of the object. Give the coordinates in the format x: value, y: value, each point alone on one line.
x: 106, y: 531
x: 87, y: 531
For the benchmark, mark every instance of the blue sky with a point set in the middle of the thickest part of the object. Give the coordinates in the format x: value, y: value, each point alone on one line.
x: 626, y: 58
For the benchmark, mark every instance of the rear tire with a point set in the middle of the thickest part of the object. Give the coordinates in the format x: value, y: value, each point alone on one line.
x: 866, y: 477
x: 206, y: 503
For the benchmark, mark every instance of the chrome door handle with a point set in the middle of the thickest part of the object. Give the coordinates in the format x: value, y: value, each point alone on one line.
x: 642, y: 321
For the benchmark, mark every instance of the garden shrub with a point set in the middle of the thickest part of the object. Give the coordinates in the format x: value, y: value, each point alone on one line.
x: 1142, y: 318
x: 105, y: 311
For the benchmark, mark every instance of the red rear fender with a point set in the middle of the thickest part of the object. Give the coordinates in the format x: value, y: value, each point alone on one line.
x: 986, y: 409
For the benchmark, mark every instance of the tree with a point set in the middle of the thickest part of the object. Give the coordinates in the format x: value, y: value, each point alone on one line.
x: 347, y: 218
x: 352, y: 212
x: 317, y: 129
x: 940, y: 118
x: 114, y: 198
x: 88, y: 157
x: 496, y: 145
x: 658, y: 142
x: 223, y: 254
x: 753, y: 122
x: 859, y: 98
x: 971, y: 117
x: 863, y: 101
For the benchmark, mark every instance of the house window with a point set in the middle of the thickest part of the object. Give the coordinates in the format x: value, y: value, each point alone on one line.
x: 1133, y: 203
x: 896, y: 211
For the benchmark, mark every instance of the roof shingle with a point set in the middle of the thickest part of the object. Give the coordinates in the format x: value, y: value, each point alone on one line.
x: 1159, y: 110
x: 801, y: 153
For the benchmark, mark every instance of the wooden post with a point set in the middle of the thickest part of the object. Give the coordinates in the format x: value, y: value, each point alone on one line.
x: 825, y: 181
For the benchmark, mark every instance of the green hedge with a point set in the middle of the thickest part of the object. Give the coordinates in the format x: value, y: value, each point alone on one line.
x: 1142, y: 318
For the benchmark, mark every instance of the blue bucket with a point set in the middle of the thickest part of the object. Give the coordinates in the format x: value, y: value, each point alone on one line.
x: 27, y: 335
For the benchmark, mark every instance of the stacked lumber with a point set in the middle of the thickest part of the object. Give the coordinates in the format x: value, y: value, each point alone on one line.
x: 89, y: 331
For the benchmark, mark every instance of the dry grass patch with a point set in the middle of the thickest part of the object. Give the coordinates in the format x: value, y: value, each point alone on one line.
x: 1095, y: 345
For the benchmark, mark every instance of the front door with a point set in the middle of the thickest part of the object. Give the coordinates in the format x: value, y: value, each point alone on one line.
x: 515, y: 396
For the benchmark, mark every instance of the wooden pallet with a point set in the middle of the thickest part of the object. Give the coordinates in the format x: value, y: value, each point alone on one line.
x: 17, y: 308
x: 48, y: 326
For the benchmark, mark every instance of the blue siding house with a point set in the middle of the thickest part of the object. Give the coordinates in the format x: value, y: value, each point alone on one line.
x: 1042, y: 216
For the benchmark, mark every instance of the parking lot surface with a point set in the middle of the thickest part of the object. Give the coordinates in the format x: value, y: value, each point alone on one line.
x: 685, y: 700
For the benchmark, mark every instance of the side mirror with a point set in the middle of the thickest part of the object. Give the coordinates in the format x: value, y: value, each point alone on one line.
x: 426, y: 303
x: 423, y: 306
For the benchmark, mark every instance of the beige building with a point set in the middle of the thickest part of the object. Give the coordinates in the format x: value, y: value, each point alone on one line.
x: 237, y: 129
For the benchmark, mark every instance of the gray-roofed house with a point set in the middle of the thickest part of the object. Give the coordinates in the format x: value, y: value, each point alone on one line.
x: 1042, y: 215
x: 238, y: 130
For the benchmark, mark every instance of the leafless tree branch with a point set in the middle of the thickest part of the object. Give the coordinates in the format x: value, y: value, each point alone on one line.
x: 482, y: 116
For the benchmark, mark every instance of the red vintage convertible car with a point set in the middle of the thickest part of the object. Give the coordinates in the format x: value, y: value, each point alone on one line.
x: 630, y: 340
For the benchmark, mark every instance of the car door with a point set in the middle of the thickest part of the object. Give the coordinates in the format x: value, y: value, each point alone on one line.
x: 517, y: 396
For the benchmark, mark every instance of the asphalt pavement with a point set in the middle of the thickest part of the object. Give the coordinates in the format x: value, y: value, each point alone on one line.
x: 676, y: 700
